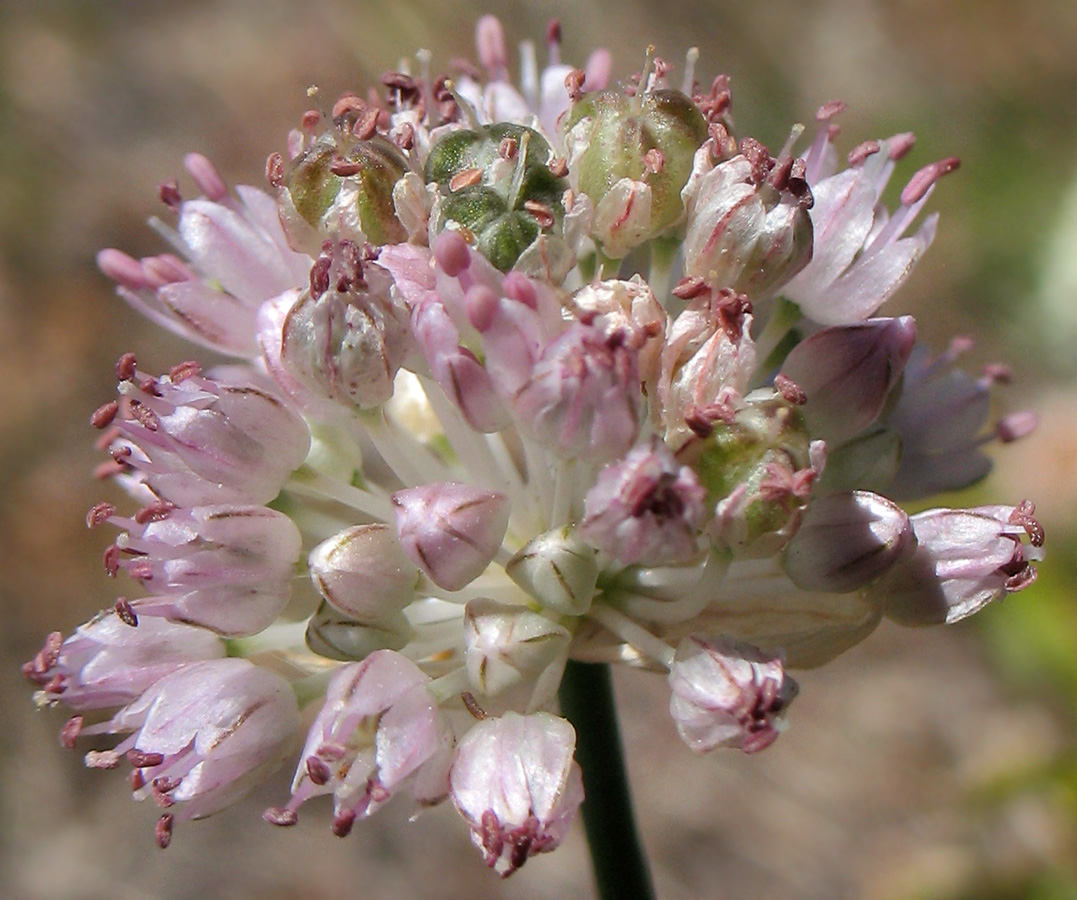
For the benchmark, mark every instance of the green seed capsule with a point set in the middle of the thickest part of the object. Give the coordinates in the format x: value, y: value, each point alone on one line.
x: 508, y: 199
x: 650, y: 139
x: 371, y: 168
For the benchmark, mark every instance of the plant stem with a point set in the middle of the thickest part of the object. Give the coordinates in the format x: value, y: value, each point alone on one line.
x: 621, y: 870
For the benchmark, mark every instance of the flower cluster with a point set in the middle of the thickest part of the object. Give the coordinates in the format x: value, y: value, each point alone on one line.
x: 520, y: 375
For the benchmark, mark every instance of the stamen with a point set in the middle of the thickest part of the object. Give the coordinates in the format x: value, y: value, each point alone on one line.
x: 472, y: 705
x: 70, y: 732
x: 125, y: 367
x: 169, y: 193
x: 163, y: 830
x: 275, y: 169
x: 206, y: 176
x: 102, y: 416
x: 922, y: 181
x: 790, y: 390
x: 281, y: 816
x: 141, y: 759
x: 126, y: 612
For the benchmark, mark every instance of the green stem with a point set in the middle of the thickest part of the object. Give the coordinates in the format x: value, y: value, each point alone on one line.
x: 620, y: 866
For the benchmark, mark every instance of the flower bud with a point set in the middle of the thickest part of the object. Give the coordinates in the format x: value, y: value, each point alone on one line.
x: 516, y: 784
x: 846, y: 541
x: 505, y: 201
x: 342, y: 186
x: 645, y: 509
x: 451, y: 531
x: 728, y: 694
x: 513, y: 655
x: 847, y: 372
x: 558, y: 570
x: 363, y: 573
x: 336, y: 636
x: 964, y: 559
x: 347, y: 345
x: 634, y: 147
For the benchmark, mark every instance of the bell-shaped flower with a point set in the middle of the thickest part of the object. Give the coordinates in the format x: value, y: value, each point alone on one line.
x: 847, y: 373
x: 202, y: 737
x: 227, y: 567
x: 363, y: 572
x: 728, y: 694
x: 847, y: 540
x: 629, y: 306
x: 379, y: 731
x: 646, y: 508
x: 964, y: 559
x: 515, y: 783
x: 558, y: 570
x: 451, y: 531
x: 707, y: 362
x: 583, y: 397
x: 513, y: 656
x: 237, y: 257
x: 748, y: 226
x: 225, y: 438
x: 345, y: 338
x: 108, y: 662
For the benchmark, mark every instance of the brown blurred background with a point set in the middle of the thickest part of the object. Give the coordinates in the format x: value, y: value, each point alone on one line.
x: 933, y: 764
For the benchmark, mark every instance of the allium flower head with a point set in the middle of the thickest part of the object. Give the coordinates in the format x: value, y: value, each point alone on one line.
x: 525, y: 373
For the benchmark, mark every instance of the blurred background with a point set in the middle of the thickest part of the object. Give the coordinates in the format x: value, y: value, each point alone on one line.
x: 936, y: 765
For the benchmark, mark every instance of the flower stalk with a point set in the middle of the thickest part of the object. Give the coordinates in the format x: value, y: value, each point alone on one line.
x: 620, y: 864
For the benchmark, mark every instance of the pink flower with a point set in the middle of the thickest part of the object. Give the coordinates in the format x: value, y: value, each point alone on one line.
x: 727, y: 694
x: 515, y: 783
x: 379, y: 730
x: 108, y: 662
x: 237, y: 258
x: 202, y: 736
x: 964, y: 559
x: 645, y: 509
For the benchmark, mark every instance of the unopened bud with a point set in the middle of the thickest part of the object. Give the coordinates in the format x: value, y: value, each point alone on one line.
x: 451, y: 531
x: 513, y: 655
x: 334, y: 636
x: 364, y: 573
x: 847, y: 372
x: 558, y: 570
x: 846, y: 541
